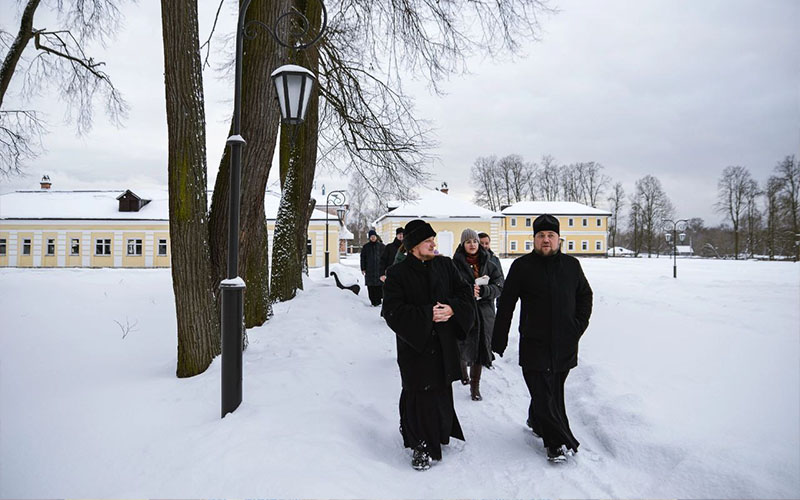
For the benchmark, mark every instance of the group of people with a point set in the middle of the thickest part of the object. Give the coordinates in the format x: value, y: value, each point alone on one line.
x: 443, y: 313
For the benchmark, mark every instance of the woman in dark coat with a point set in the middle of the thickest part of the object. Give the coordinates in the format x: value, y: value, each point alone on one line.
x: 371, y: 267
x: 474, y: 263
x: 428, y: 306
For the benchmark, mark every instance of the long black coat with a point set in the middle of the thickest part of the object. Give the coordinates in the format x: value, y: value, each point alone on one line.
x: 556, y: 306
x: 371, y: 262
x: 387, y: 257
x: 476, y: 347
x: 411, y: 290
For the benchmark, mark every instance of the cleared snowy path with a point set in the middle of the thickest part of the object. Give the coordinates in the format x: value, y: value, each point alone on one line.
x: 686, y: 388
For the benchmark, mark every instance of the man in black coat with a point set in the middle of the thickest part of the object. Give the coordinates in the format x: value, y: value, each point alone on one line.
x: 387, y: 258
x: 556, y: 306
x: 428, y: 306
x: 371, y: 267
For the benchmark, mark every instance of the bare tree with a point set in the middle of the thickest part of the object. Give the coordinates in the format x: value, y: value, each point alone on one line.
x: 548, y: 179
x: 731, y: 198
x: 752, y: 215
x: 483, y: 178
x: 654, y: 206
x: 193, y: 280
x: 788, y: 171
x: 592, y: 181
x: 772, y: 195
x: 616, y: 202
x: 59, y: 59
x: 569, y: 178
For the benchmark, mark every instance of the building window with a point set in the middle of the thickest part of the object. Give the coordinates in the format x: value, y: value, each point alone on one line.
x: 571, y: 245
x: 513, y: 246
x: 75, y: 246
x: 598, y: 245
x: 584, y: 245
x: 2, y: 246
x: 570, y: 222
x: 513, y: 222
x: 528, y: 246
x: 599, y: 222
x: 162, y: 247
x: 135, y: 246
x: 26, y: 246
x: 51, y: 246
x: 585, y: 222
x: 527, y: 222
x: 102, y: 246
x: 308, y: 246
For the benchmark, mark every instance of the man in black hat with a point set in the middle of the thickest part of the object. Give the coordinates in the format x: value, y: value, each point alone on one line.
x: 556, y: 306
x: 371, y: 267
x: 387, y: 259
x: 428, y: 306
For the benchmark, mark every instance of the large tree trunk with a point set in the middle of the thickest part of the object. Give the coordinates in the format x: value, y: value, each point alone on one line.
x: 17, y: 47
x: 298, y: 161
x: 260, y: 120
x: 192, y: 283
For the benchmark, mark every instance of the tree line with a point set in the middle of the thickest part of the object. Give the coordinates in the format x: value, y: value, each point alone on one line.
x: 759, y: 219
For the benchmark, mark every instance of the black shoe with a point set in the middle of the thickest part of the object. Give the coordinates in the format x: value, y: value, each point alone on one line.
x: 533, y: 429
x: 421, y: 459
x: 556, y: 454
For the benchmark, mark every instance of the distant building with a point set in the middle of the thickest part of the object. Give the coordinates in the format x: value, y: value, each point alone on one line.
x: 584, y: 229
x: 48, y: 228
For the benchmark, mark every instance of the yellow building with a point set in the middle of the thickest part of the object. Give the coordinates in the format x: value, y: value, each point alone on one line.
x: 584, y: 229
x: 448, y: 215
x: 111, y: 229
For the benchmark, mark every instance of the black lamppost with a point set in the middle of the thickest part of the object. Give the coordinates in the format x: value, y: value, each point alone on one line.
x: 674, y: 238
x: 338, y: 201
x: 293, y: 85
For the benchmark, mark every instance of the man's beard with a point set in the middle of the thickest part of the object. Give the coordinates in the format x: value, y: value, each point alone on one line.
x: 541, y: 253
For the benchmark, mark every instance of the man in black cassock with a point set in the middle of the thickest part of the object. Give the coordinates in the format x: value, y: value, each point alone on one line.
x: 556, y: 306
x: 428, y: 306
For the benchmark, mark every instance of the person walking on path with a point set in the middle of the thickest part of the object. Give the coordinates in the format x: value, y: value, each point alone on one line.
x: 476, y: 267
x: 387, y: 258
x: 371, y: 267
x: 556, y: 306
x: 429, y: 307
x: 486, y: 243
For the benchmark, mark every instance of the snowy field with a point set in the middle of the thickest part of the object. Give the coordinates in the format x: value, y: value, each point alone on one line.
x: 686, y: 388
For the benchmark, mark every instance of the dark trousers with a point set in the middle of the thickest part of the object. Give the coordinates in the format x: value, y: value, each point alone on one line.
x: 375, y: 294
x: 547, y: 414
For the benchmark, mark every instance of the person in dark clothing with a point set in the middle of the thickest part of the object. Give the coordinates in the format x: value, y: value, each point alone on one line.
x: 429, y: 307
x: 556, y: 306
x: 477, y: 269
x: 387, y: 258
x: 486, y: 243
x: 371, y: 267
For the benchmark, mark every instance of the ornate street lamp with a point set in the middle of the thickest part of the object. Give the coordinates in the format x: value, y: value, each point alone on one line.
x: 293, y: 84
x: 338, y: 201
x: 674, y: 239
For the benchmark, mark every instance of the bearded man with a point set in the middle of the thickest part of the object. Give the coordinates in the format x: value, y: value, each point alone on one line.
x: 556, y: 306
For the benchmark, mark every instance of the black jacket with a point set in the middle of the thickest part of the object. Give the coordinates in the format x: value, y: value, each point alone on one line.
x: 371, y: 262
x: 556, y: 306
x: 387, y: 257
x: 427, y: 353
x: 472, y: 346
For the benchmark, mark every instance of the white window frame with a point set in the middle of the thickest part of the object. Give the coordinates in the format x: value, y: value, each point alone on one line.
x: 75, y: 246
x: 528, y: 246
x: 3, y: 246
x: 51, y: 246
x: 598, y: 245
x: 571, y: 246
x: 584, y: 245
x: 26, y: 246
x: 512, y: 246
x: 162, y: 244
x: 585, y: 222
x: 513, y: 222
x: 134, y: 247
x: 599, y: 222
x: 528, y: 222
x: 105, y: 244
x: 571, y: 222
x: 309, y: 247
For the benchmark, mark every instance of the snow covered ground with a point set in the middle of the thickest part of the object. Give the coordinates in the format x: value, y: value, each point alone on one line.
x: 686, y: 388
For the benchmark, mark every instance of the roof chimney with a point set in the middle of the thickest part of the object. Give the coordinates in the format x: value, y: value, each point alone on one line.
x: 444, y: 188
x: 45, y: 182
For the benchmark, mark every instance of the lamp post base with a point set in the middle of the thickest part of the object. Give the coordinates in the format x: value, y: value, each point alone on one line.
x: 232, y: 335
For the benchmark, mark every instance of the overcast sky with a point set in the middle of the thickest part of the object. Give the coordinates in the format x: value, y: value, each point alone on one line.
x: 676, y: 89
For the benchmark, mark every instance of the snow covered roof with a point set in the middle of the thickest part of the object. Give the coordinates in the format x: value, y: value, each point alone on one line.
x: 345, y: 234
x: 103, y: 205
x: 552, y: 208
x: 433, y: 204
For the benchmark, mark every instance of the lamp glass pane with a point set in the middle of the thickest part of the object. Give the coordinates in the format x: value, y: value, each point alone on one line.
x: 294, y: 82
x: 278, y: 80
